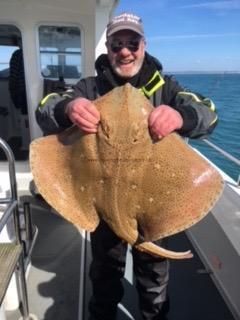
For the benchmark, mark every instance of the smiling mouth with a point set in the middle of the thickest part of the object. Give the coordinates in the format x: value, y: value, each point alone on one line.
x: 125, y: 62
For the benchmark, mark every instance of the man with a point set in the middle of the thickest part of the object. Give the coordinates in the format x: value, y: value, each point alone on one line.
x: 175, y: 110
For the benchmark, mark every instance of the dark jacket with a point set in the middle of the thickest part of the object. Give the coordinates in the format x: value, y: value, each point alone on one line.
x: 198, y: 112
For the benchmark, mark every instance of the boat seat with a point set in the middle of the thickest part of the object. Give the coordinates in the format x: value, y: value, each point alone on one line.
x: 9, y: 257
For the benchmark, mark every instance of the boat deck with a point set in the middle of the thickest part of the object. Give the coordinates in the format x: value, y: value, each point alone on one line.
x: 53, y: 280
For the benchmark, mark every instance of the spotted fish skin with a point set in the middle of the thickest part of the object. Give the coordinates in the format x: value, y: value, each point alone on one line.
x: 143, y: 190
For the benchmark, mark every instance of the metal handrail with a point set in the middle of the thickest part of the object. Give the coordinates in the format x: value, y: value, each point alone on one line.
x: 7, y: 214
x: 225, y: 154
x: 13, y: 185
x: 12, y: 174
x: 13, y: 209
x: 5, y: 200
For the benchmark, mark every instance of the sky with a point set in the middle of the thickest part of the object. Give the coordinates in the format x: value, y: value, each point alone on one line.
x: 190, y: 35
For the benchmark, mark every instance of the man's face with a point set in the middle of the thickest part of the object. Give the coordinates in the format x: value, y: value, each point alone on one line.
x: 126, y: 50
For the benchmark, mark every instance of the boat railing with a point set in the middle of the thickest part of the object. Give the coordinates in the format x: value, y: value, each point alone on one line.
x: 225, y: 154
x: 11, y: 254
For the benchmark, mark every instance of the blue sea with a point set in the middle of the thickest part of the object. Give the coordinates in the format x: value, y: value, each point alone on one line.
x: 224, y: 90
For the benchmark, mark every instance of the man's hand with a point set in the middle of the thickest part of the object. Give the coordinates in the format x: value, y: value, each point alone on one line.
x: 84, y: 114
x: 164, y: 120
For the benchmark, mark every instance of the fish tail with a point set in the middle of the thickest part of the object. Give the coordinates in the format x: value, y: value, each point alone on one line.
x: 164, y: 253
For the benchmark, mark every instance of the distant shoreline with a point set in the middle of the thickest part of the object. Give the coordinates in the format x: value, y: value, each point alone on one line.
x: 202, y: 72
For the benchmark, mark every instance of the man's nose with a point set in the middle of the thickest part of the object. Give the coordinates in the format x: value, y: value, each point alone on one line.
x: 125, y: 51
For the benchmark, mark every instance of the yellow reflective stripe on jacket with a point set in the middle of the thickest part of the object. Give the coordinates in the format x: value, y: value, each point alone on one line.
x: 210, y: 104
x: 214, y: 120
x: 185, y: 93
x: 44, y: 100
x: 50, y: 95
x: 207, y: 101
x: 153, y: 84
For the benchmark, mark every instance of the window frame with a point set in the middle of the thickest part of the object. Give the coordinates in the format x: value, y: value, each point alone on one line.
x: 81, y: 47
x: 19, y: 30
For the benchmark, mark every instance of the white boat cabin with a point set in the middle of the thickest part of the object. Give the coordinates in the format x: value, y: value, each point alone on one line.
x: 42, y: 40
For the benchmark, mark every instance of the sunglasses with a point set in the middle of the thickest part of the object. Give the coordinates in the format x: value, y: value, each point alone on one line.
x: 131, y: 45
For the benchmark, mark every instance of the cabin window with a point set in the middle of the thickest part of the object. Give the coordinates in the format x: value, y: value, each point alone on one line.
x: 60, y: 52
x: 7, y: 51
x: 14, y: 125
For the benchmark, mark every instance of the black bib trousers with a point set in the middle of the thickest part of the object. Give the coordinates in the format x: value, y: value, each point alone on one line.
x: 107, y: 270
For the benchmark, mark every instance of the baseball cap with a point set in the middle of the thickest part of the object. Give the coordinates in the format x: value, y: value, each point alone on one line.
x: 125, y: 21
